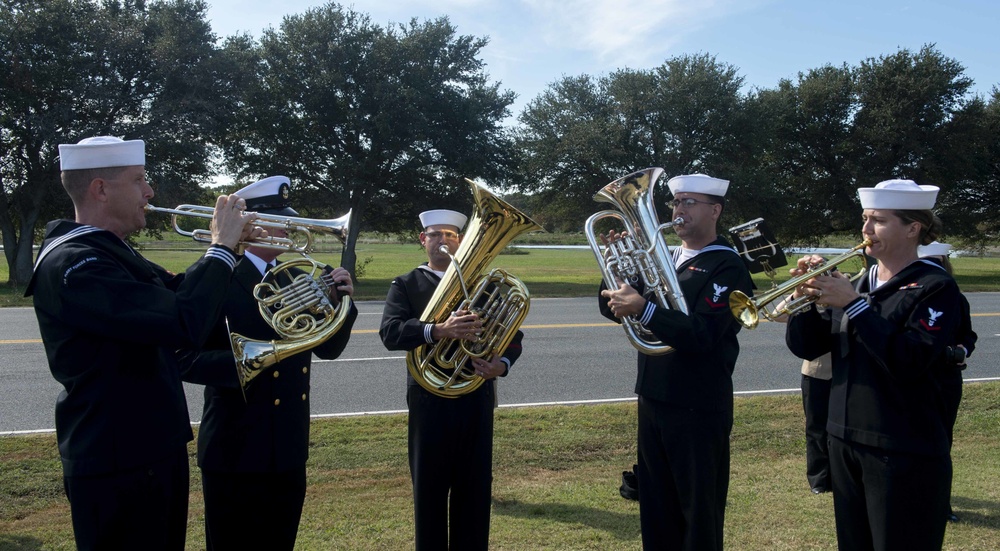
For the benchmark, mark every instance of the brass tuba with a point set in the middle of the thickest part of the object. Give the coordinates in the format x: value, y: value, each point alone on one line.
x: 499, y: 299
x: 643, y: 254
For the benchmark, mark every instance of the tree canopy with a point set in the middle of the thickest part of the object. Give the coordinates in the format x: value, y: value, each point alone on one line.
x: 383, y: 121
x: 386, y: 120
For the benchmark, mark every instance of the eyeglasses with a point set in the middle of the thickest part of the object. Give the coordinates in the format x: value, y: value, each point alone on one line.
x: 687, y: 202
x: 445, y: 234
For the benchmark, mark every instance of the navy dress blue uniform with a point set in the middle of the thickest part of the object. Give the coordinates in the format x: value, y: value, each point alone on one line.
x: 889, y: 419
x: 686, y: 405
x: 110, y: 321
x: 450, y: 440
x: 252, y: 452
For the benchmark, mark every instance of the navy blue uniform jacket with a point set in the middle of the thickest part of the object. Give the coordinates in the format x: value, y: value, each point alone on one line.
x: 110, y: 321
x: 698, y: 373
x: 269, y: 431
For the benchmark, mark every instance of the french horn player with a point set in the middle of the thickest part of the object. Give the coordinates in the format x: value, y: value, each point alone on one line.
x: 254, y: 441
x: 431, y: 313
x: 685, y: 405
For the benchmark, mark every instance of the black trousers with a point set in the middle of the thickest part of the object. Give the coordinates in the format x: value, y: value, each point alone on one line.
x: 142, y: 508
x: 245, y: 511
x: 816, y: 406
x: 683, y: 476
x: 885, y: 500
x: 451, y: 466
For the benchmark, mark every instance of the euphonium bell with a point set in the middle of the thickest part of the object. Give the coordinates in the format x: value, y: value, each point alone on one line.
x: 499, y: 299
x: 749, y: 310
x: 642, y: 254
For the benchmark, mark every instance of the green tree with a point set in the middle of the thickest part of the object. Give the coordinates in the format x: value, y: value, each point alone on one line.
x: 804, y: 155
x: 382, y: 121
x: 70, y: 69
x: 582, y: 133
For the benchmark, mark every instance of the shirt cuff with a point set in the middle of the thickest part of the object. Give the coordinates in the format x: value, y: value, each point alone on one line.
x: 506, y: 362
x: 647, y: 314
x: 222, y: 253
x: 855, y: 307
x: 427, y: 333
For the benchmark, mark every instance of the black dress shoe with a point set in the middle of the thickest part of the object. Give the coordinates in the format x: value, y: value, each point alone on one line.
x: 952, y: 517
x: 819, y: 490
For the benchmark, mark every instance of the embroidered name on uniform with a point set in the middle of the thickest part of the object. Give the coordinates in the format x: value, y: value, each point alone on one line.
x: 697, y: 269
x: 74, y: 267
x: 933, y: 315
x: 714, y: 301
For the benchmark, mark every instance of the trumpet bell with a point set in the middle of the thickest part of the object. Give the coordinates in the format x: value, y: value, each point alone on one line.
x: 744, y: 309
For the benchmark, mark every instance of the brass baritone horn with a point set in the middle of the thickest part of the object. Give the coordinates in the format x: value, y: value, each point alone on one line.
x: 642, y: 254
x: 749, y: 310
x: 293, y: 225
x: 499, y: 299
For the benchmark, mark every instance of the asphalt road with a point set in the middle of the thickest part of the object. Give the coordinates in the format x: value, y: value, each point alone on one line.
x: 570, y: 354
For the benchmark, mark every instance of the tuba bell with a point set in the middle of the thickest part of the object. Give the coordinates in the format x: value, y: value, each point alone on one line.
x: 642, y: 254
x: 499, y: 299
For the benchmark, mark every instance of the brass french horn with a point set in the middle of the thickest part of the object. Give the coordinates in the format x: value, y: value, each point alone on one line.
x: 300, y: 312
x: 499, y: 299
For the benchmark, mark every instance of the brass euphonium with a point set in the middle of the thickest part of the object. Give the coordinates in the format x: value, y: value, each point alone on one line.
x: 642, y: 254
x: 297, y: 306
x: 499, y: 299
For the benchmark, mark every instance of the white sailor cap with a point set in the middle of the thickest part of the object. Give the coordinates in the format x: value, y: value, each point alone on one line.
x: 898, y: 195
x: 698, y: 183
x: 442, y: 217
x: 934, y: 249
x: 101, y: 152
x: 270, y: 195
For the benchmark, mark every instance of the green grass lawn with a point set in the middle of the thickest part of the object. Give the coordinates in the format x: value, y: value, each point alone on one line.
x: 556, y: 476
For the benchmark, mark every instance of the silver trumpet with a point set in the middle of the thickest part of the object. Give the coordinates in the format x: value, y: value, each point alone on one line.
x: 299, y: 230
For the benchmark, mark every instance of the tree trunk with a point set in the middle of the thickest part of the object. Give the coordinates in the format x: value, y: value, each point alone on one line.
x: 349, y: 258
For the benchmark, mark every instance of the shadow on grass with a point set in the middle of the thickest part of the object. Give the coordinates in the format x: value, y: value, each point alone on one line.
x: 976, y: 512
x: 623, y: 526
x: 19, y: 543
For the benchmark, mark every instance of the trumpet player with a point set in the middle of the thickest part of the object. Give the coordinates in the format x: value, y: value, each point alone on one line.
x: 110, y: 321
x: 450, y: 440
x: 890, y: 338
x: 686, y: 396
x: 253, y: 444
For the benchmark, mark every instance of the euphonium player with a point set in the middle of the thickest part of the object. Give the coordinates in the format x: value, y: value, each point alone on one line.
x: 890, y: 339
x: 450, y: 440
x: 253, y: 445
x: 686, y: 396
x: 110, y: 321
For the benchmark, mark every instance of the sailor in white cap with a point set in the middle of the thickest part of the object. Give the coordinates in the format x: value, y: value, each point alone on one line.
x: 686, y: 397
x: 451, y: 506
x: 272, y: 416
x: 111, y: 321
x: 890, y: 335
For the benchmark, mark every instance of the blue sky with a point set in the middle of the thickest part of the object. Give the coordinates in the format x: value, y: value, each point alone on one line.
x: 536, y: 42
